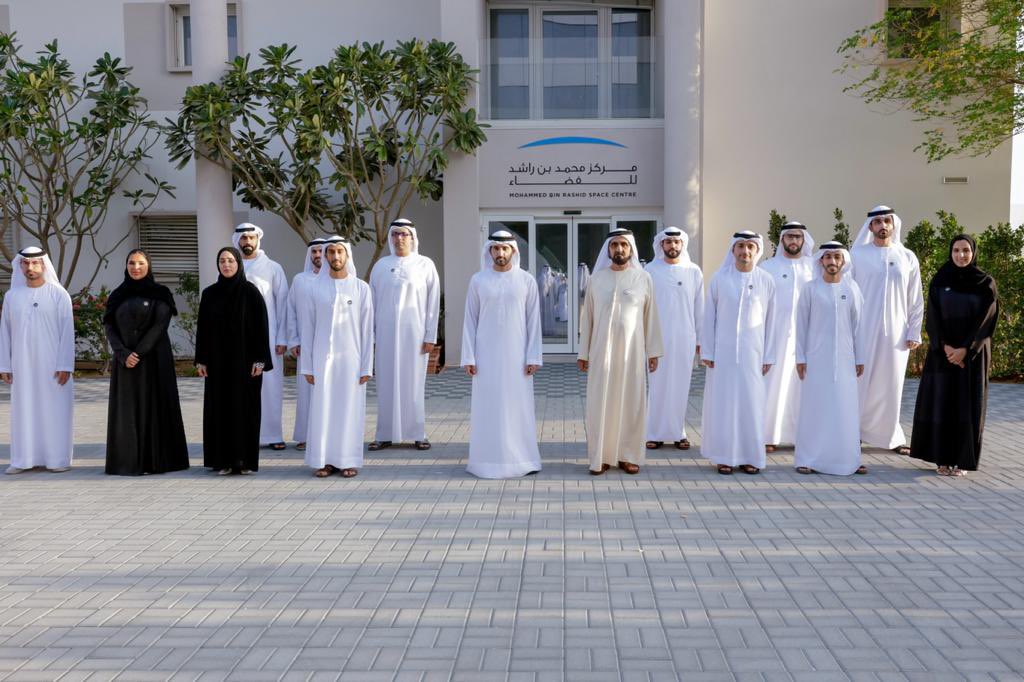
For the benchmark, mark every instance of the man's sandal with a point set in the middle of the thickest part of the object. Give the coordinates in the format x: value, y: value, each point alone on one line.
x: 423, y: 445
x: 378, y: 445
x: 653, y: 444
x: 749, y: 469
x: 349, y: 473
x: 770, y: 448
x: 902, y: 450
x: 629, y: 467
x: 277, y: 446
x: 804, y: 470
x: 604, y: 468
x: 861, y: 470
x: 724, y: 469
x: 325, y: 471
x: 683, y: 444
x: 300, y: 446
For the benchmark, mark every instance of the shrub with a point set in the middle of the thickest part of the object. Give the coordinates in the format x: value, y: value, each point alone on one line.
x: 775, y: 222
x: 188, y: 316
x: 841, y: 231
x: 90, y: 335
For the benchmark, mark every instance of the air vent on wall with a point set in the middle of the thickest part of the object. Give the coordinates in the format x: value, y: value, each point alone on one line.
x: 954, y: 179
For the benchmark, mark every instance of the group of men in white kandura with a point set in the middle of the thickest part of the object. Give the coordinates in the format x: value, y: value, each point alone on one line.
x: 786, y: 347
x: 809, y: 338
x: 341, y: 324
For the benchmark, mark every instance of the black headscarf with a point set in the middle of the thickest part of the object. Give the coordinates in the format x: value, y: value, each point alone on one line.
x: 967, y: 279
x: 229, y: 288
x: 146, y: 287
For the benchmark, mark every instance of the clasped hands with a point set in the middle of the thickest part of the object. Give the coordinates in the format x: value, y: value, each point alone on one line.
x: 955, y: 356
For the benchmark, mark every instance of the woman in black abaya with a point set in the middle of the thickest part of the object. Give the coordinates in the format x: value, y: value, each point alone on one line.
x: 950, y: 415
x: 145, y: 434
x: 232, y: 351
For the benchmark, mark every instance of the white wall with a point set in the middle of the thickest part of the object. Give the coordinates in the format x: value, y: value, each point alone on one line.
x: 780, y: 133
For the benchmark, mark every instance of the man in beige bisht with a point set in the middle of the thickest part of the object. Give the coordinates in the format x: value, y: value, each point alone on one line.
x: 619, y: 329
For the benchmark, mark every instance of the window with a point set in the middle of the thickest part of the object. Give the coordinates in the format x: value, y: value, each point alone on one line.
x: 510, y: 63
x: 172, y: 243
x: 632, y: 88
x: 571, y: 62
x: 180, y: 57
x: 909, y: 21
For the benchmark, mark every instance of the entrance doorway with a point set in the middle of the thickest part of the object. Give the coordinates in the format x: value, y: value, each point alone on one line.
x: 561, y: 254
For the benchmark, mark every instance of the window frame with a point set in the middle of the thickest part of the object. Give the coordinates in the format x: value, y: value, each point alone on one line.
x: 174, y: 13
x: 535, y: 47
x: 948, y: 16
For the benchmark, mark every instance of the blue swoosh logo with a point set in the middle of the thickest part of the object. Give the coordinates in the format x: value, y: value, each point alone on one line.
x: 547, y: 141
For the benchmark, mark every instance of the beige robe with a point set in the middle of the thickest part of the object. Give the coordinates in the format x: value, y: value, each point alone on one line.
x: 619, y: 331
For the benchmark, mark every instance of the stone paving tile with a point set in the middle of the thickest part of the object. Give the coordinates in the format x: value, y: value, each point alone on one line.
x: 416, y: 571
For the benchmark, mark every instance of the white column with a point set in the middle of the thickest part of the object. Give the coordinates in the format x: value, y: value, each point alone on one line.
x: 214, y: 215
x: 679, y: 34
x: 462, y: 24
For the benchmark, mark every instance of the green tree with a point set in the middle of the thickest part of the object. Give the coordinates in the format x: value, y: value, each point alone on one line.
x: 247, y: 122
x: 67, y: 148
x: 775, y: 222
x: 958, y: 65
x: 381, y: 121
x: 841, y: 232
x: 388, y: 120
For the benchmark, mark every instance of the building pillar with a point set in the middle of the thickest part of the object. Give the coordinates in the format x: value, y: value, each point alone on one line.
x: 679, y: 28
x: 214, y: 218
x: 462, y: 23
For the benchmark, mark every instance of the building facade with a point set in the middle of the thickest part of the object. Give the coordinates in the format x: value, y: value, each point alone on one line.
x: 636, y: 113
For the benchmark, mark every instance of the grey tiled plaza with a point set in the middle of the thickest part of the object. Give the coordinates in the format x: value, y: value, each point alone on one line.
x: 416, y: 571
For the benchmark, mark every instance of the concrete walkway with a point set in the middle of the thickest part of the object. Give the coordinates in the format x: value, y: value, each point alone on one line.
x: 416, y: 571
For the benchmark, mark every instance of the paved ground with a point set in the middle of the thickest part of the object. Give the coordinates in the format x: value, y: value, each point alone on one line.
x: 416, y: 571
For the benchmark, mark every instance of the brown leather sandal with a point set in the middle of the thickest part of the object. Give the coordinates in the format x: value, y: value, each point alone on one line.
x: 804, y: 470
x: 683, y: 444
x: 604, y: 468
x: 725, y: 469
x: 749, y: 469
x: 653, y: 444
x: 629, y: 467
x: 349, y: 473
x: 326, y: 471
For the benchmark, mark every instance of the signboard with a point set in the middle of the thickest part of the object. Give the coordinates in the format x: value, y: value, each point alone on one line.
x: 564, y: 168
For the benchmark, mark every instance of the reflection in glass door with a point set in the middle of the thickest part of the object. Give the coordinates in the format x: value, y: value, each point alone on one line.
x: 590, y: 236
x: 553, y: 283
